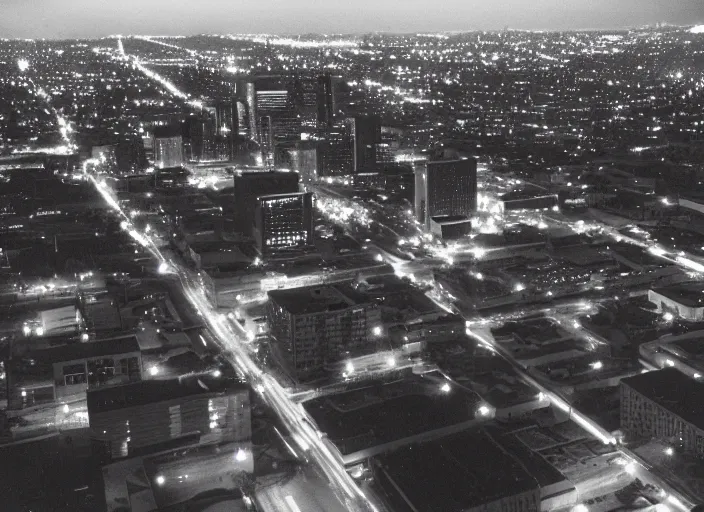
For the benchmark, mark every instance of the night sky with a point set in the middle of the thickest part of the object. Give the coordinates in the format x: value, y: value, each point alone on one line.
x: 95, y: 18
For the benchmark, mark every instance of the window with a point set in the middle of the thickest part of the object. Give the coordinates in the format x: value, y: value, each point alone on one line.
x: 100, y: 371
x: 74, y: 374
x: 130, y: 367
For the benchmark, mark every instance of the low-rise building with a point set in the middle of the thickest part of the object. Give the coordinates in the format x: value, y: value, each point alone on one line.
x: 664, y: 404
x: 68, y: 371
x: 450, y: 227
x: 198, y: 409
x: 454, y: 480
x: 685, y: 300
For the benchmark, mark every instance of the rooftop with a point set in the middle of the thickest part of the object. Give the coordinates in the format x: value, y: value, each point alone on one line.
x: 318, y: 299
x: 384, y: 412
x: 453, y: 480
x: 688, y: 294
x: 672, y: 390
x: 153, y: 391
x: 76, y: 351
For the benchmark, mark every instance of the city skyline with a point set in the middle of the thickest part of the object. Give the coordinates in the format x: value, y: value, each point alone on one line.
x: 51, y: 19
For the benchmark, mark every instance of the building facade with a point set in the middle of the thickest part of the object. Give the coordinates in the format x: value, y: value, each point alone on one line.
x: 366, y: 135
x: 446, y: 188
x: 168, y: 151
x: 68, y: 371
x: 320, y: 325
x: 284, y: 224
x: 335, y: 152
x: 665, y: 405
x: 151, y: 413
x: 251, y: 185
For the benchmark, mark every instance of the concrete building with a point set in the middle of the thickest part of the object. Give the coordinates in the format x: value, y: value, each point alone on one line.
x: 249, y: 186
x: 684, y: 300
x: 197, y: 409
x: 446, y: 188
x: 454, y: 479
x: 450, y: 227
x: 68, y: 371
x: 664, y: 404
x: 335, y: 152
x: 325, y: 100
x: 366, y: 135
x: 168, y: 151
x: 283, y: 224
x: 320, y: 325
x: 528, y: 200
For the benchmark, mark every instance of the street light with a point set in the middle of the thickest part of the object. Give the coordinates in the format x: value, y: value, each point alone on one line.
x: 445, y: 388
x: 483, y: 410
x: 153, y: 371
x: 377, y: 331
x: 240, y: 455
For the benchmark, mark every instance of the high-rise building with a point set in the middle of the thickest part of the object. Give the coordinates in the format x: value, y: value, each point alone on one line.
x: 325, y: 100
x: 284, y: 224
x: 335, y: 152
x: 366, y: 135
x: 275, y: 100
x: 319, y: 325
x: 168, y: 147
x: 251, y: 185
x: 251, y: 102
x: 446, y: 188
x: 267, y: 145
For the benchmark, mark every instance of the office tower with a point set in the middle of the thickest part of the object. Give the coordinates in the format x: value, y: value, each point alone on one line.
x: 275, y: 99
x: 266, y: 142
x: 225, y: 113
x: 325, y: 100
x: 335, y: 152
x: 243, y: 128
x: 168, y: 146
x: 226, y: 126
x: 168, y: 151
x: 303, y: 160
x: 446, y: 188
x: 319, y: 325
x: 251, y: 185
x: 366, y: 134
x: 251, y: 102
x: 284, y: 224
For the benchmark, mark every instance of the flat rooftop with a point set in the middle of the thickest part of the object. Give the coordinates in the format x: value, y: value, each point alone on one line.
x: 456, y: 473
x: 672, y: 390
x: 318, y: 299
x: 76, y: 351
x: 154, y: 391
x: 385, y: 412
x: 687, y: 294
